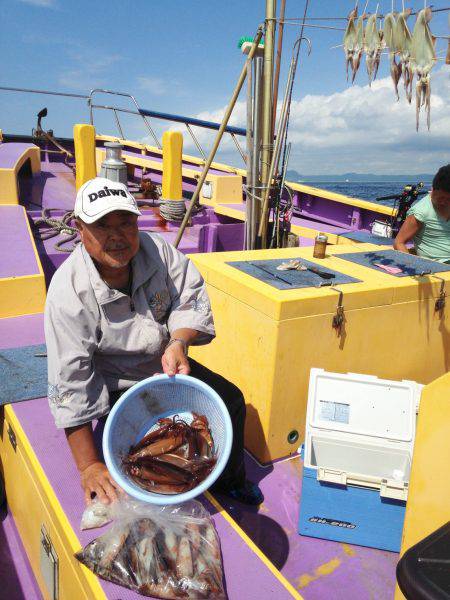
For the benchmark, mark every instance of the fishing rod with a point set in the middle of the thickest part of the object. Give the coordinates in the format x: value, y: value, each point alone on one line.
x: 405, y: 200
x: 281, y: 135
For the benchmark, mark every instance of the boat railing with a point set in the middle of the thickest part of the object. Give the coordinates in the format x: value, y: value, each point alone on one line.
x: 143, y: 114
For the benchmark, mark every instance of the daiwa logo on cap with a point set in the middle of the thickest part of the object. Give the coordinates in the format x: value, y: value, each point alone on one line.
x: 100, y: 196
x: 107, y: 191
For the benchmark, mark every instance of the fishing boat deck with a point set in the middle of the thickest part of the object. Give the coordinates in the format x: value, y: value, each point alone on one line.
x: 243, y: 566
x: 316, y: 568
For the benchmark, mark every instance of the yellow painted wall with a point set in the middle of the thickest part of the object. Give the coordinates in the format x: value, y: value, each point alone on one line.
x: 85, y: 160
x: 9, y: 188
x: 428, y: 506
x: 33, y: 503
x: 172, y: 181
x: 25, y: 294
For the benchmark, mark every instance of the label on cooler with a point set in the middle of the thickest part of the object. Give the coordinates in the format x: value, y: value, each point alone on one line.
x: 337, y: 412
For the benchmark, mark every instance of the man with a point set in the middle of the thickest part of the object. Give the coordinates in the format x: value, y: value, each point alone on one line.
x: 124, y: 306
x: 428, y: 222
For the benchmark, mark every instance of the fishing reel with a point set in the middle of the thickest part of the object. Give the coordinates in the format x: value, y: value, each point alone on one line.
x: 403, y: 203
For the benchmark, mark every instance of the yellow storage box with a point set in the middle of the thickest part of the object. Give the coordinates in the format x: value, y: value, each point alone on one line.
x: 268, y: 339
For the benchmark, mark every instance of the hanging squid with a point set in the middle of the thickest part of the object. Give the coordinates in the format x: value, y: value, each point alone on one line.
x: 359, y: 45
x: 423, y: 57
x: 403, y: 41
x: 390, y: 24
x: 373, y: 44
x: 350, y: 39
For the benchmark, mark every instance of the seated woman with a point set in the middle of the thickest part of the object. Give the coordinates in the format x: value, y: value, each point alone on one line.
x: 428, y: 222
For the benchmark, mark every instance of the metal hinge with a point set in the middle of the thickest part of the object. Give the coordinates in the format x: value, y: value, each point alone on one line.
x: 12, y: 437
x: 439, y: 305
x: 339, y: 317
x: 49, y: 564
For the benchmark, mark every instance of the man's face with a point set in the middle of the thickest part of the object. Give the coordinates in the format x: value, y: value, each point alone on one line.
x: 441, y: 202
x: 113, y: 240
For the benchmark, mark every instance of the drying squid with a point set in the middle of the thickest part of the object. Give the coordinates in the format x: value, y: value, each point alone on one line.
x: 390, y: 24
x: 422, y: 61
x: 350, y: 39
x: 359, y: 45
x: 373, y: 44
x: 403, y: 41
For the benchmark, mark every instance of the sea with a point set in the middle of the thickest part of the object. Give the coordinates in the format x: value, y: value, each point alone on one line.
x: 368, y: 190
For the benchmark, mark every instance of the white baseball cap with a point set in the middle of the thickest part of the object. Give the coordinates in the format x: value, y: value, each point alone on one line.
x: 100, y: 196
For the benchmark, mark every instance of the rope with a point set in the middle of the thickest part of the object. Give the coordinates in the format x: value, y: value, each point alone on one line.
x: 172, y: 210
x: 57, y: 227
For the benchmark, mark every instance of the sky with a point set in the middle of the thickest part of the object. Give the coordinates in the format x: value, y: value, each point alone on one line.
x: 182, y: 57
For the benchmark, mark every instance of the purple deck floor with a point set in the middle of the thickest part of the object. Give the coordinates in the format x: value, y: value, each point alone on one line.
x: 54, y: 187
x: 16, y: 576
x: 318, y: 569
x: 14, y: 229
x: 243, y: 568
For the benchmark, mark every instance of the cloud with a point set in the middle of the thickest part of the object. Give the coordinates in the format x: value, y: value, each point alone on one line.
x: 87, y: 72
x: 154, y: 85
x: 359, y: 129
x: 41, y: 3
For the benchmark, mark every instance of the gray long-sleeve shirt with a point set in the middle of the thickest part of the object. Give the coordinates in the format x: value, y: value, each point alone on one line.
x: 101, y: 340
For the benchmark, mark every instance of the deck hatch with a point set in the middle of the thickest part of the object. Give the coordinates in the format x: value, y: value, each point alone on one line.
x: 266, y: 271
x: 409, y: 264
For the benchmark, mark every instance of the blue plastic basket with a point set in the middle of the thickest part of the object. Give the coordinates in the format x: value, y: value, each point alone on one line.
x: 138, y: 410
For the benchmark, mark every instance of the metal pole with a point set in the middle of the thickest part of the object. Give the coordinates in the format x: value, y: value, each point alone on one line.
x: 278, y: 65
x: 256, y: 179
x: 250, y: 133
x: 267, y: 139
x: 262, y: 232
x: 220, y: 133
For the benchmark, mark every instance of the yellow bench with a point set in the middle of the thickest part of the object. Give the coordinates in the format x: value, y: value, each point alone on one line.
x: 13, y: 156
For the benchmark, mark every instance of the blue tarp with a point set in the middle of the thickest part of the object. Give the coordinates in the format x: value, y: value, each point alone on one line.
x: 23, y: 373
x: 410, y: 264
x: 266, y: 270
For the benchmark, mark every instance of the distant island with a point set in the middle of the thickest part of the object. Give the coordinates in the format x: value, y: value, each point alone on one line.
x: 292, y: 175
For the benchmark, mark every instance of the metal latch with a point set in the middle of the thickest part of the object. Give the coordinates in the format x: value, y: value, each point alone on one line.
x: 12, y: 437
x: 339, y: 317
x: 439, y: 305
x: 397, y: 490
x: 49, y: 564
x: 332, y: 476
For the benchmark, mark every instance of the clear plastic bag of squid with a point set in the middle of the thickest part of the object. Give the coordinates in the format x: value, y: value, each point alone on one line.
x: 160, y: 551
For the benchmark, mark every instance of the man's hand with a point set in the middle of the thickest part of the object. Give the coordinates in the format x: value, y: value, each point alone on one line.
x: 174, y: 361
x: 95, y: 479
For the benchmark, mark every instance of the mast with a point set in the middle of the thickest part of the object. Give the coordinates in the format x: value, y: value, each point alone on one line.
x: 267, y: 111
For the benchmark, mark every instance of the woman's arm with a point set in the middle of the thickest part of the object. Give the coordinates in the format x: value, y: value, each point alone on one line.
x: 408, y: 231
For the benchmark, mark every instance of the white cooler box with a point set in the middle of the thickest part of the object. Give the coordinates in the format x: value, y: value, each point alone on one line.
x: 357, y: 458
